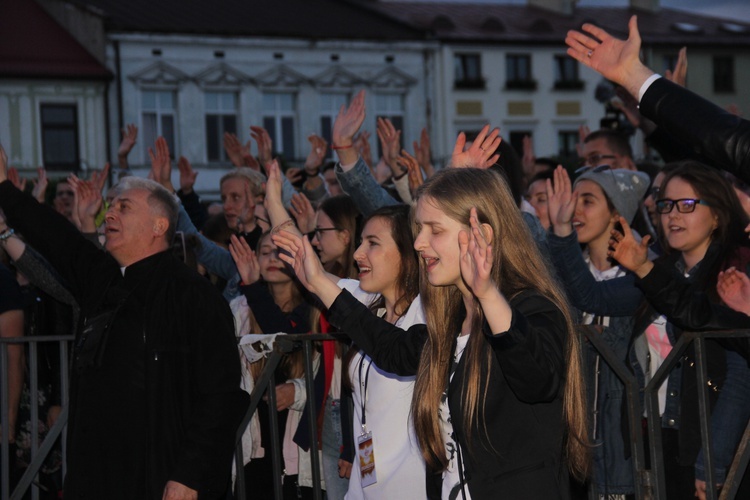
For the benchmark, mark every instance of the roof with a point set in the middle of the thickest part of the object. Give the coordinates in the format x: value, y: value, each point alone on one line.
x: 36, y: 46
x: 492, y: 22
x: 312, y: 19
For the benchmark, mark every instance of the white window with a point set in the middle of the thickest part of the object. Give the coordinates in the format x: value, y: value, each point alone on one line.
x: 278, y: 119
x: 221, y: 116
x: 159, y: 117
x: 329, y: 109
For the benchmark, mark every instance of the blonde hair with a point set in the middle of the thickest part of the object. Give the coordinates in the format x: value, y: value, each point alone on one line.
x: 517, y: 267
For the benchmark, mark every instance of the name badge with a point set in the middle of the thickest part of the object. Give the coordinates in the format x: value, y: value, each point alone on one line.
x: 366, y: 455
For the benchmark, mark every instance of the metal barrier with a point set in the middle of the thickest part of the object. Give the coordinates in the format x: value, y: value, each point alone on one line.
x: 651, y: 483
x: 39, y: 451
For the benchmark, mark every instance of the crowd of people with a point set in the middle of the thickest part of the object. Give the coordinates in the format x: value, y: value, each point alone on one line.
x: 463, y: 290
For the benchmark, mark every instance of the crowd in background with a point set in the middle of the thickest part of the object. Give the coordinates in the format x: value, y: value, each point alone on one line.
x: 462, y: 287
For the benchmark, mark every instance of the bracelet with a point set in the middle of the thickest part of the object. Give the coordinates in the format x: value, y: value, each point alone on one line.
x: 400, y: 176
x: 335, y: 147
x: 6, y: 234
x: 286, y: 223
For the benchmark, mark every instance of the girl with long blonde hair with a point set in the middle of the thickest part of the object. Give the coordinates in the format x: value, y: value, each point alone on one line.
x: 498, y: 402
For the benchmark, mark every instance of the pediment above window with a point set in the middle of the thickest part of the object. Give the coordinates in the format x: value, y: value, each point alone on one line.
x: 281, y: 76
x: 392, y: 78
x: 221, y: 74
x: 159, y: 73
x: 337, y: 77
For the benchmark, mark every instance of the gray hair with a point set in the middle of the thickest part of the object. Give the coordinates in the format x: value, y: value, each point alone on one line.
x: 159, y: 200
x: 255, y: 178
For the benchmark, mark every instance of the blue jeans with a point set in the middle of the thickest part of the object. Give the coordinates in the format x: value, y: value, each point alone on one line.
x: 729, y: 418
x: 336, y: 487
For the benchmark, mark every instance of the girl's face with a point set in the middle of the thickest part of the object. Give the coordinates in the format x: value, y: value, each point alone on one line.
x: 437, y: 244
x: 688, y: 233
x: 272, y: 268
x: 593, y: 221
x: 537, y: 196
x: 330, y: 242
x: 378, y: 259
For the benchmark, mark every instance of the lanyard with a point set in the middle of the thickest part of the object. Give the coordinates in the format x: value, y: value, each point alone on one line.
x: 364, y: 390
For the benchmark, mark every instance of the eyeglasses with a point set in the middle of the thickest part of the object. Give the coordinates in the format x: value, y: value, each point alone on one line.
x: 594, y: 159
x: 319, y: 230
x: 684, y: 205
x: 591, y: 168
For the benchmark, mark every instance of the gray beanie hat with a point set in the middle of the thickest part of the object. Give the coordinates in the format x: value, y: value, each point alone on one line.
x: 624, y: 188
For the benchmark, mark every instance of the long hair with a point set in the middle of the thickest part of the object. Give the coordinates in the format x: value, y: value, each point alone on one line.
x: 344, y: 214
x: 518, y: 266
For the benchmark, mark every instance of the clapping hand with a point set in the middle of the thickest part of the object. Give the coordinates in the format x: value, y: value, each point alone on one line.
x: 40, y: 185
x: 187, y: 175
x: 476, y: 257
x: 481, y: 153
x: 161, y: 164
x: 300, y: 255
x: 561, y: 202
x: 733, y: 287
x: 265, y: 144
x: 245, y: 260
x: 303, y: 213
x: 628, y: 252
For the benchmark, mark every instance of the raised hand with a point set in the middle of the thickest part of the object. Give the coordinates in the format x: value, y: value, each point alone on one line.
x: 476, y: 257
x: 3, y: 164
x: 265, y: 144
x: 528, y: 160
x: 273, y: 183
x: 362, y: 146
x: 236, y: 152
x: 294, y: 174
x: 88, y: 203
x: 628, y: 252
x: 679, y: 74
x: 300, y: 255
x: 187, y: 175
x: 347, y: 124
x: 583, y: 132
x: 629, y: 106
x: 17, y: 180
x: 733, y: 287
x: 245, y: 260
x: 40, y: 185
x: 390, y: 142
x: 561, y: 202
x: 318, y: 149
x: 303, y: 213
x: 617, y: 60
x: 481, y: 153
x: 414, y: 171
x: 422, y: 153
x: 161, y: 164
x: 99, y: 177
x: 129, y: 138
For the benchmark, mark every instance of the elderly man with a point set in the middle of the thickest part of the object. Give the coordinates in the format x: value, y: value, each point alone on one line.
x: 155, y: 399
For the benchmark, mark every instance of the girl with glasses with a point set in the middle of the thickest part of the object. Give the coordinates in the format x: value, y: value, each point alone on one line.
x: 701, y: 228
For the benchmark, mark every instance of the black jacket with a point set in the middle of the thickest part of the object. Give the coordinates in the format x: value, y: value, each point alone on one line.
x: 521, y: 455
x: 158, y: 397
x: 717, y: 137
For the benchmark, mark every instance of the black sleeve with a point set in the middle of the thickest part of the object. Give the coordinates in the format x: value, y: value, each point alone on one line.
x: 532, y: 352
x: 712, y: 133
x: 269, y: 315
x: 10, y: 292
x: 196, y: 211
x: 393, y: 349
x: 347, y: 424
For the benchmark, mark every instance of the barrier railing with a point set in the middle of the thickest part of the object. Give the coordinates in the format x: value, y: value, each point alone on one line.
x: 39, y: 451
x: 651, y: 482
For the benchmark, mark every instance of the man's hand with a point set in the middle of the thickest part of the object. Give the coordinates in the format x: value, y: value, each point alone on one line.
x: 390, y: 142
x: 284, y: 396
x: 161, y: 164
x: 679, y: 74
x: 178, y: 491
x: 40, y: 185
x: 129, y: 138
x: 235, y: 150
x: 616, y: 60
x: 345, y: 469
x: 3, y: 164
x: 265, y: 145
x: 187, y: 175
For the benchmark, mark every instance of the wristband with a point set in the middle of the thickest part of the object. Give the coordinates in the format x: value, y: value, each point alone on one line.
x: 286, y: 223
x: 400, y: 176
x: 6, y: 234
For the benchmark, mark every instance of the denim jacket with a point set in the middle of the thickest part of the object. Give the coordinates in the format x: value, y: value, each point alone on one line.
x: 365, y: 191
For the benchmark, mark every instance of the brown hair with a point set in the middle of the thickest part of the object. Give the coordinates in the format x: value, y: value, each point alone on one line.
x: 517, y: 267
x: 344, y: 214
